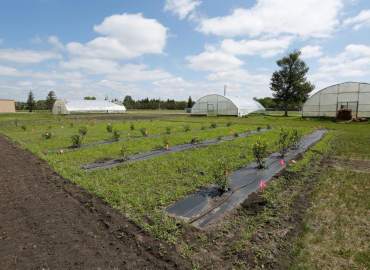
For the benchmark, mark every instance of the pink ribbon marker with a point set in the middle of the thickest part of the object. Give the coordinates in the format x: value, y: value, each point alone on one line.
x: 305, y: 135
x: 226, y: 173
x: 167, y: 147
x: 61, y: 151
x: 262, y: 184
x: 281, y: 162
x: 294, y: 161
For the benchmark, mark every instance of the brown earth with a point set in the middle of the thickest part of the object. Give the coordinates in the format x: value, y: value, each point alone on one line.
x: 48, y: 222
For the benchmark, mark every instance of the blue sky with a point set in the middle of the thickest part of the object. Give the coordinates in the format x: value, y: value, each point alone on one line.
x: 175, y: 48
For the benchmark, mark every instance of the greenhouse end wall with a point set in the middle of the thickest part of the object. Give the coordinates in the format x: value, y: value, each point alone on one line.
x: 328, y: 101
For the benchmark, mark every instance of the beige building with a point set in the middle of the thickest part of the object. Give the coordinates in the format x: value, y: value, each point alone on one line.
x: 7, y: 106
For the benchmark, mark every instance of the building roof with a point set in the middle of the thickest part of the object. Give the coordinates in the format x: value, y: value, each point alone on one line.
x: 92, y: 105
x: 244, y: 103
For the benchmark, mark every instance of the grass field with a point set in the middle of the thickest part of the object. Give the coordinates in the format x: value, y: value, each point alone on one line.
x: 333, y: 175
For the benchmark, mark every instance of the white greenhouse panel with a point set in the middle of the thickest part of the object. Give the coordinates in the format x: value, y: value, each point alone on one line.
x: 328, y: 99
x: 348, y: 97
x: 330, y: 90
x: 364, y: 88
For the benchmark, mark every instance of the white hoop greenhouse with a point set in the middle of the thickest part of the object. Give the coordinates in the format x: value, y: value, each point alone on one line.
x: 213, y: 105
x: 328, y: 101
x: 86, y: 107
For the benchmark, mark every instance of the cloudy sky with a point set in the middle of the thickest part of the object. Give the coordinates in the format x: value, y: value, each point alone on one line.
x: 175, y: 48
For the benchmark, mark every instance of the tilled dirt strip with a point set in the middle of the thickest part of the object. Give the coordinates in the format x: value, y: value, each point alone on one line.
x: 47, y: 222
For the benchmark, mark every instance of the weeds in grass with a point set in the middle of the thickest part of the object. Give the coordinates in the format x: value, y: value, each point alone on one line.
x: 71, y: 125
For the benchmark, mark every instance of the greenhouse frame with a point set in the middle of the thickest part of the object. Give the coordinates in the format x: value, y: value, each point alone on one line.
x: 86, y: 107
x: 327, y: 102
x: 214, y: 105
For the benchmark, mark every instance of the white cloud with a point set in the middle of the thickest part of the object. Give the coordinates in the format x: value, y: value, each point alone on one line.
x: 213, y: 60
x: 126, y: 36
x: 91, y: 65
x: 27, y: 56
x: 47, y: 83
x: 240, y: 76
x: 1, y: 41
x: 360, y: 21
x: 74, y: 76
x: 181, y: 7
x: 13, y: 72
x: 305, y: 18
x: 36, y: 40
x: 131, y: 73
x: 53, y: 40
x: 265, y: 48
x: 353, y: 62
x: 311, y: 51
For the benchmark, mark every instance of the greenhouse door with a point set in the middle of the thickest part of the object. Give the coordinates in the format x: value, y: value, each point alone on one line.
x: 211, y: 110
x: 349, y: 105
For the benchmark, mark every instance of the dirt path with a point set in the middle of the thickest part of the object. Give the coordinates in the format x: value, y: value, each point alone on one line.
x: 43, y: 226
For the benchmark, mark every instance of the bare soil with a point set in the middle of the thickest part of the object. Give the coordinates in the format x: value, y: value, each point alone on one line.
x: 48, y: 222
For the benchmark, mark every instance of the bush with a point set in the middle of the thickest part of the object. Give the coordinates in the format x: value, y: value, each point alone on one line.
x: 23, y: 127
x: 230, y: 123
x: 71, y: 125
x: 220, y: 175
x: 48, y: 135
x: 203, y: 127
x: 144, y: 132
x: 16, y: 122
x: 269, y: 126
x: 295, y: 137
x: 186, y: 128
x: 168, y: 129
x: 284, y: 141
x: 83, y: 131
x: 49, y: 126
x: 123, y: 151
x: 76, y: 140
x: 116, y: 135
x: 213, y: 125
x: 259, y: 152
x: 194, y: 140
x: 109, y: 128
x: 132, y: 126
x: 236, y: 134
x: 258, y: 128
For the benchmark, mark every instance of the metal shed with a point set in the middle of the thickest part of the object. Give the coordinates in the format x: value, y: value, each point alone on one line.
x: 327, y: 102
x: 7, y: 106
x: 86, y: 107
x: 213, y: 105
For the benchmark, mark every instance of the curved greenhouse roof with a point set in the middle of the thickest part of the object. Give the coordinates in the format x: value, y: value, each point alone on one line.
x: 86, y: 106
x: 214, y: 104
x: 328, y: 101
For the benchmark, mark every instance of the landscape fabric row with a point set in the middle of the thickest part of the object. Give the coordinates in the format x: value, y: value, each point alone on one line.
x: 208, y: 204
x: 143, y: 156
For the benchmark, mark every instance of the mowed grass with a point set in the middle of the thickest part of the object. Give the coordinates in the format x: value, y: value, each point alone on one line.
x: 141, y: 190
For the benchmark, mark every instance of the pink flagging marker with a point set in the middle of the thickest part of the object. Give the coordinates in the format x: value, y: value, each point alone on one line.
x: 282, y: 162
x: 262, y: 184
x: 167, y: 147
x: 294, y: 161
x: 226, y: 173
x: 305, y: 136
x: 61, y: 151
x: 32, y: 130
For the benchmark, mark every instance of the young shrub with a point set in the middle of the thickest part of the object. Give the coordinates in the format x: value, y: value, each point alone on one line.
x: 24, y: 127
x: 71, y: 125
x: 259, y: 152
x: 295, y: 137
x: 144, y: 132
x: 132, y: 126
x: 194, y: 140
x: 49, y: 127
x: 213, y: 125
x: 76, y: 140
x: 116, y: 135
x: 16, y: 122
x: 203, y: 127
x: 219, y: 137
x: 48, y: 135
x: 220, y: 175
x: 186, y: 128
x: 284, y: 141
x: 258, y: 128
x: 236, y: 134
x: 166, y: 142
x: 269, y: 126
x: 83, y: 131
x: 109, y: 128
x: 123, y: 151
x: 230, y: 123
x: 168, y: 129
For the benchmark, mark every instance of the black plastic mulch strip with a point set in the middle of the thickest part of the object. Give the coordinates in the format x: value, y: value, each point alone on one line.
x: 143, y: 156
x: 208, y: 204
x: 122, y: 140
